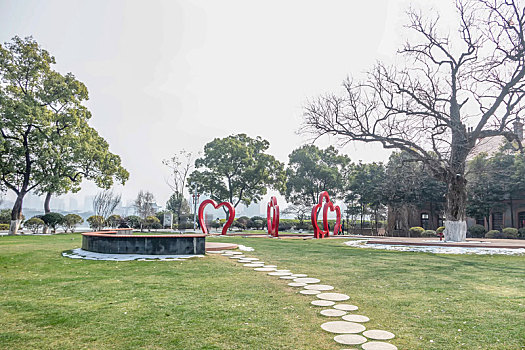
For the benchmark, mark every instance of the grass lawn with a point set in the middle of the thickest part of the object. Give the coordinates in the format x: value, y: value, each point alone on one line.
x: 49, y: 302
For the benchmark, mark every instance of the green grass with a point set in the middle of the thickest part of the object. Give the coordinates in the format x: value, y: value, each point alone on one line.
x: 49, y: 302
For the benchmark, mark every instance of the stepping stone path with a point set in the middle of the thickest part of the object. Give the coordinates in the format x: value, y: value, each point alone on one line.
x: 319, y: 287
x: 356, y: 318
x: 378, y: 335
x: 297, y: 284
x: 333, y: 296
x: 343, y: 327
x: 350, y: 339
x: 322, y: 302
x: 309, y: 292
x: 351, y: 324
x: 332, y: 313
x: 306, y: 280
x: 378, y: 345
x: 345, y: 307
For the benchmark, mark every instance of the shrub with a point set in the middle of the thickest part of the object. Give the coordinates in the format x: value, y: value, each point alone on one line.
x: 4, y: 227
x: 521, y: 232
x: 493, y: 234
x: 53, y: 220
x: 96, y: 222
x: 440, y: 230
x: 34, y: 224
x: 133, y: 221
x: 284, y: 226
x: 429, y: 233
x: 152, y: 222
x: 416, y: 231
x: 476, y: 231
x: 5, y: 217
x: 510, y: 232
x: 113, y: 220
x: 71, y: 221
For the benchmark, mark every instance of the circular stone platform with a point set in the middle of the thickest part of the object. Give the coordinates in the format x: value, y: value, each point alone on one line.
x: 345, y: 307
x: 277, y: 273
x: 343, y: 327
x: 253, y: 265
x: 298, y: 275
x: 332, y: 313
x: 378, y: 334
x: 287, y: 277
x: 378, y: 345
x: 333, y: 296
x: 319, y: 287
x: 79, y: 253
x: 356, y: 318
x: 306, y: 280
x: 322, y: 303
x: 264, y: 269
x: 297, y: 284
x: 350, y: 339
x: 309, y: 292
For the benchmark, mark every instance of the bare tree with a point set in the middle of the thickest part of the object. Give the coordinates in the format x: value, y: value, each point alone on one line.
x: 105, y: 203
x: 144, y: 205
x: 446, y: 95
x: 180, y: 165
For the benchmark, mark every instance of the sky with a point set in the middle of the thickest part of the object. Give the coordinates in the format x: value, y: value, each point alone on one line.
x: 170, y: 75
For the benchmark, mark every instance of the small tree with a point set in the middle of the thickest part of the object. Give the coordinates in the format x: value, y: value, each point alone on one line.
x: 105, y: 203
x: 144, y: 205
x: 152, y: 222
x: 71, y: 221
x: 134, y: 221
x: 113, y: 220
x: 53, y: 220
x: 34, y: 224
x: 96, y: 222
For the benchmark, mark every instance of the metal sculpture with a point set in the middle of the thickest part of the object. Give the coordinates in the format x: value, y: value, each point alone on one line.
x: 272, y: 222
x: 228, y: 223
x: 328, y: 206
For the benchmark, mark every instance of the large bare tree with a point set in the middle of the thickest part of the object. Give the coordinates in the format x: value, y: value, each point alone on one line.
x: 447, y: 93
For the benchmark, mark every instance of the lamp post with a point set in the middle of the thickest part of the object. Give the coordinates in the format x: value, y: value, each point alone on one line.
x: 195, y: 201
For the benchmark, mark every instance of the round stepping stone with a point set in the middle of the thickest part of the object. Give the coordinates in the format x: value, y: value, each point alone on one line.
x: 350, y: 339
x: 345, y: 307
x: 309, y: 292
x: 264, y: 269
x: 227, y: 254
x: 296, y: 284
x: 237, y: 253
x: 306, y: 280
x: 237, y: 257
x: 333, y: 296
x: 253, y: 265
x: 272, y: 266
x: 297, y: 275
x: 283, y: 271
x: 356, y: 318
x: 250, y: 259
x: 287, y: 277
x: 343, y: 327
x: 319, y: 287
x: 333, y: 313
x: 378, y: 345
x: 378, y: 334
x: 215, y: 252
x: 322, y: 303
x: 277, y: 273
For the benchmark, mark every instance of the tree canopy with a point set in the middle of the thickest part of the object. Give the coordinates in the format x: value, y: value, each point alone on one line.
x: 237, y: 169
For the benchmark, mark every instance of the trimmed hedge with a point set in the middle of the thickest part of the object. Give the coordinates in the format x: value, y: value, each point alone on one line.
x: 416, y: 231
x: 476, y: 231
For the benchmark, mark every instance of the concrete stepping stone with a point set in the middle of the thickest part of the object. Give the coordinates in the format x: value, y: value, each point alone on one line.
x: 377, y: 334
x: 297, y: 284
x: 251, y: 259
x: 237, y: 257
x: 253, y: 265
x: 350, y: 339
x: 309, y: 292
x: 333, y: 313
x: 322, y: 303
x: 227, y: 254
x: 356, y: 318
x: 307, y: 280
x: 343, y: 327
x: 237, y: 253
x: 287, y: 277
x: 264, y: 269
x: 277, y: 273
x: 378, y: 345
x: 319, y: 287
x: 215, y: 252
x: 283, y: 271
x: 333, y: 296
x: 297, y: 275
x: 345, y: 307
x: 274, y: 266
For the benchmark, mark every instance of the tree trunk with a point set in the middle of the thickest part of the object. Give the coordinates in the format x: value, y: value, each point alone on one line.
x: 455, y: 214
x: 47, y: 210
x: 16, y: 214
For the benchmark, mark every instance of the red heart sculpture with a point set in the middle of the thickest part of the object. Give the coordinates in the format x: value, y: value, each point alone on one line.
x: 272, y: 223
x: 231, y: 215
x: 328, y: 205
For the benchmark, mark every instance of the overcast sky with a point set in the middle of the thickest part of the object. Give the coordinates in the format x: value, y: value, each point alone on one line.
x: 170, y: 75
